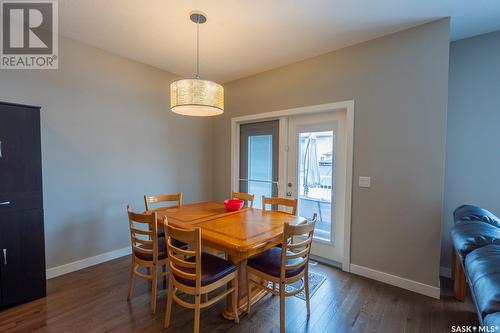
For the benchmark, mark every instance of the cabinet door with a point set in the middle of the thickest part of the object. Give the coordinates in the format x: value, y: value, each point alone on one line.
x: 22, y: 256
x: 20, y: 153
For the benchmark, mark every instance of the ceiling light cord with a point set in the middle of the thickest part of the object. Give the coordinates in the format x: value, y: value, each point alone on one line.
x: 198, y: 47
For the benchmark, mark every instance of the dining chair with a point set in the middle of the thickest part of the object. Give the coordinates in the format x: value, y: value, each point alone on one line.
x: 284, y: 266
x: 243, y: 196
x: 148, y: 251
x: 196, y: 273
x: 175, y: 198
x: 273, y: 201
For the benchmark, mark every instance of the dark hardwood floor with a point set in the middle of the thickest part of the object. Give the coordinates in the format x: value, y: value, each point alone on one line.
x: 94, y: 300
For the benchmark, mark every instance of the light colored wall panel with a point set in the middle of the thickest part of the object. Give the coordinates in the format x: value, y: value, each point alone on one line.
x: 108, y: 138
x: 473, y: 138
x: 399, y: 84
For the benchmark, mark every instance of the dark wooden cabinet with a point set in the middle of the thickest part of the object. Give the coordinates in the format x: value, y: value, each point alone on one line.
x: 22, y: 250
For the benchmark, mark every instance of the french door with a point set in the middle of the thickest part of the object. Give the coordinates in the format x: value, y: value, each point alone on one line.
x: 259, y: 159
x: 302, y: 157
x: 315, y: 173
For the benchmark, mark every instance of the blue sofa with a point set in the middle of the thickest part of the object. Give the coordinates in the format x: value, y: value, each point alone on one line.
x: 476, y: 260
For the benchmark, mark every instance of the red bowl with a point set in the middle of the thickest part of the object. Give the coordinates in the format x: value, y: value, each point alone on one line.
x: 234, y: 205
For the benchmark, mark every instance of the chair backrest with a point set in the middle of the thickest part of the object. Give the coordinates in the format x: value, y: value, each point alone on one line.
x: 181, y: 259
x: 292, y: 203
x: 143, y: 233
x: 296, y: 250
x: 177, y: 198
x: 243, y: 196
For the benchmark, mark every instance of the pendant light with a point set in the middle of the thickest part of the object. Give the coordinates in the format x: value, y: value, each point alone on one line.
x: 197, y: 97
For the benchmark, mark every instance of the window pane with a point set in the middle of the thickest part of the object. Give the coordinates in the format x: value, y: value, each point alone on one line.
x: 260, y: 158
x: 316, y: 170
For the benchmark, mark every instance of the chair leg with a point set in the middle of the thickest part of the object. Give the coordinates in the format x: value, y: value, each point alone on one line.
x: 235, y: 299
x: 148, y: 272
x: 282, y: 307
x: 154, y: 288
x: 164, y: 270
x: 306, y: 287
x: 274, y: 289
x: 170, y: 298
x: 197, y: 308
x: 249, y: 293
x: 131, y: 281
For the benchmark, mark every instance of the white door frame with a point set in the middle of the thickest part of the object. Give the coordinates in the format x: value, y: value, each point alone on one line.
x: 281, y: 115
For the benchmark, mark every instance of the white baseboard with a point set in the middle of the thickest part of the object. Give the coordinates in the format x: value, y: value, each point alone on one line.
x: 445, y: 272
x: 87, y: 262
x: 397, y: 281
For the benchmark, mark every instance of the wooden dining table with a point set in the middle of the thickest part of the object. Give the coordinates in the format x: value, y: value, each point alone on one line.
x: 239, y: 234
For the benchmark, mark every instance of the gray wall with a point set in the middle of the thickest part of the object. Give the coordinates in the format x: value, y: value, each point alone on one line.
x: 399, y: 84
x: 108, y: 138
x: 473, y: 138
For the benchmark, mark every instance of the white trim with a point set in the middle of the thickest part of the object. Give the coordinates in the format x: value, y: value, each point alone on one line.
x: 445, y: 272
x: 348, y: 186
x: 343, y: 105
x: 235, y: 156
x: 397, y: 281
x: 283, y: 160
x: 349, y: 105
x: 87, y: 262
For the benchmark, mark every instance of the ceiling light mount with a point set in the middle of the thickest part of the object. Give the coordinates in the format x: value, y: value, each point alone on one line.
x: 198, y: 17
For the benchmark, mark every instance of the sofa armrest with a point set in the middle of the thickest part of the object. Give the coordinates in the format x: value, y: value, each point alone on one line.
x: 467, y: 213
x: 471, y: 235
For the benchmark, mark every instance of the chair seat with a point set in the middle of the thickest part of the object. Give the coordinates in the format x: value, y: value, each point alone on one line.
x: 162, y: 251
x: 483, y: 269
x: 212, y: 269
x: 269, y: 262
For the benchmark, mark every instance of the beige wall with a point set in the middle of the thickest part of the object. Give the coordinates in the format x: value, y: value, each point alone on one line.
x: 399, y: 84
x: 108, y: 137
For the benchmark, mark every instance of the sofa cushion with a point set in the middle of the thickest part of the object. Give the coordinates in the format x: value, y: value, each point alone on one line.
x: 469, y: 236
x: 492, y: 319
x: 473, y: 213
x: 483, y: 269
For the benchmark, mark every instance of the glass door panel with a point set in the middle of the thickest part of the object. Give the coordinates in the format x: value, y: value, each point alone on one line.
x: 316, y: 179
x: 315, y: 167
x: 259, y: 160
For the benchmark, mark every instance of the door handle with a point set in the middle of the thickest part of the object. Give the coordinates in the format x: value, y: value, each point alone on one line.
x: 4, y: 203
x: 5, y: 257
x: 0, y: 149
x: 288, y: 194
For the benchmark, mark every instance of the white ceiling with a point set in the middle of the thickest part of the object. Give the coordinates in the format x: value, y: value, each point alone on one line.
x: 245, y: 37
